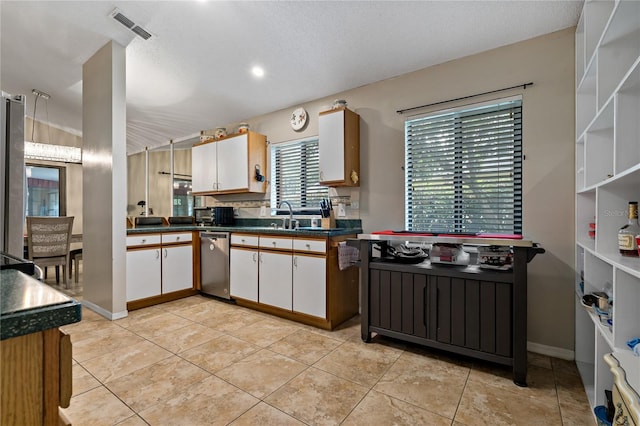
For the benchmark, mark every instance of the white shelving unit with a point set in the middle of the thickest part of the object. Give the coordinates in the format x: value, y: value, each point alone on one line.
x: 607, y: 178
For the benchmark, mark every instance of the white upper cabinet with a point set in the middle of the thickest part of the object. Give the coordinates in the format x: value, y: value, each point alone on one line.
x: 339, y: 148
x: 233, y: 165
x: 228, y: 165
x: 204, y: 165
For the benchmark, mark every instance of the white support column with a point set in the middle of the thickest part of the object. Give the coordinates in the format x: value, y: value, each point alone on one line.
x: 104, y: 181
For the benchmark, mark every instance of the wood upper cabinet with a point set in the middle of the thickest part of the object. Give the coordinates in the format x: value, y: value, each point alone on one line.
x: 228, y: 165
x: 339, y: 148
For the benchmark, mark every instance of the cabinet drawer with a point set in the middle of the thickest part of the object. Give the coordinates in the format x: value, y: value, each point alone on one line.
x: 143, y: 240
x: 276, y: 243
x: 244, y: 240
x: 312, y: 246
x: 176, y: 238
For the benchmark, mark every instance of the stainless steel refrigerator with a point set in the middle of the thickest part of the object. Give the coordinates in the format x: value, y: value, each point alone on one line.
x: 12, y: 189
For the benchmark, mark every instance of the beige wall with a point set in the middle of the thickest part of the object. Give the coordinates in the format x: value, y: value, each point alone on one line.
x: 548, y: 116
x: 548, y: 108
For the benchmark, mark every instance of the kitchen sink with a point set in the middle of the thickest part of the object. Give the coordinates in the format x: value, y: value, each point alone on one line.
x: 280, y: 229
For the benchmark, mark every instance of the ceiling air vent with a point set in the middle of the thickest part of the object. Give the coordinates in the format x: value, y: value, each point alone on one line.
x: 141, y: 32
x: 136, y: 29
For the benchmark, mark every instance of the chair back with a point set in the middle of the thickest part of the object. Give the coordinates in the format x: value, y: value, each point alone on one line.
x: 48, y: 236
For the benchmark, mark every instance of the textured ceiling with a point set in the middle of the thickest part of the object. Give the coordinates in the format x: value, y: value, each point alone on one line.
x: 195, y: 72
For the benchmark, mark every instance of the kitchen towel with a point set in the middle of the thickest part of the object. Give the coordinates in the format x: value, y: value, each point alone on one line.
x: 347, y: 255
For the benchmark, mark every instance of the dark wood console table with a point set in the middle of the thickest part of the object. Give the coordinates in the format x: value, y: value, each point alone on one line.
x: 462, y: 309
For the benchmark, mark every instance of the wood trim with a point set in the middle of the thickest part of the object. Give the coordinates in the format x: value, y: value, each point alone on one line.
x: 257, y: 155
x: 155, y: 300
x: 51, y: 373
x: 290, y: 315
x: 342, y: 286
x: 66, y: 377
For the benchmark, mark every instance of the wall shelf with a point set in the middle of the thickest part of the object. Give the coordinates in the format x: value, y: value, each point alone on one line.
x: 607, y: 178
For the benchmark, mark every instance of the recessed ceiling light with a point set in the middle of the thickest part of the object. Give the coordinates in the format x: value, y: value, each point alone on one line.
x: 257, y: 71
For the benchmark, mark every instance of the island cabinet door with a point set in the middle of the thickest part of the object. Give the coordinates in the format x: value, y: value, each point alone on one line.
x: 310, y: 285
x: 275, y: 275
x: 399, y: 302
x: 143, y: 273
x: 471, y: 313
x: 177, y: 268
x: 243, y: 273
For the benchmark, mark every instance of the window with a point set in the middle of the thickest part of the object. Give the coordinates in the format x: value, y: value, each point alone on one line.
x: 45, y: 190
x: 295, y: 172
x: 463, y: 169
x: 182, y: 199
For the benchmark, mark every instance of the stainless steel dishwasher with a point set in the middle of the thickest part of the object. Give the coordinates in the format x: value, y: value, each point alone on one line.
x: 214, y: 263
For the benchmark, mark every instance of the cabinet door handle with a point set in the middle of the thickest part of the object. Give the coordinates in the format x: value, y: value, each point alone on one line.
x: 295, y: 262
x: 254, y: 257
x: 308, y: 246
x: 274, y: 243
x: 157, y: 254
x: 165, y: 253
x: 144, y: 240
x: 260, y: 257
x: 177, y: 238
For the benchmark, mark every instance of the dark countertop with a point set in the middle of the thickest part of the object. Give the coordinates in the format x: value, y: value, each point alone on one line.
x: 304, y: 231
x: 28, y: 306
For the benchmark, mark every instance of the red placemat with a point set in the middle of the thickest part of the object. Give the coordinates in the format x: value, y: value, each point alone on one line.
x: 426, y: 234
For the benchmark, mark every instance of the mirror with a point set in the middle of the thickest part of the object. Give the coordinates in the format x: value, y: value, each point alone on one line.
x: 153, y: 167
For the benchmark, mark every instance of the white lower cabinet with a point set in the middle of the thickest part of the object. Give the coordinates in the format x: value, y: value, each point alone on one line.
x: 287, y: 273
x: 310, y: 285
x: 165, y: 266
x: 243, y: 273
x: 275, y: 274
x: 143, y: 273
x: 177, y: 268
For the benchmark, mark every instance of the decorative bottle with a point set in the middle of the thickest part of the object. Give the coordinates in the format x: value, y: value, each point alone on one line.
x: 627, y: 234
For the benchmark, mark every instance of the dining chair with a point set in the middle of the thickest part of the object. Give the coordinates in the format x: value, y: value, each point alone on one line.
x: 48, y: 241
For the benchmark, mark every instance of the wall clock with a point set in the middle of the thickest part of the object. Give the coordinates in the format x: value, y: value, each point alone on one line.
x: 298, y: 119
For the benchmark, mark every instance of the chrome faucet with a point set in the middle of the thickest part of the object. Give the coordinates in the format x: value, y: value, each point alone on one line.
x: 290, y: 215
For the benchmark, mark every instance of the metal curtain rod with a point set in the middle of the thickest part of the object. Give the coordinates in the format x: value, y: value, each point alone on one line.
x: 175, y: 174
x: 524, y: 86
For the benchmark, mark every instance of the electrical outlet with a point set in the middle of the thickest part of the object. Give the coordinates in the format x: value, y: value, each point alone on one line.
x: 263, y: 211
x: 355, y: 204
x: 341, y: 210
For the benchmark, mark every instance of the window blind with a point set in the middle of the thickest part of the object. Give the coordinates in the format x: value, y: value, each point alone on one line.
x: 463, y: 170
x: 296, y: 174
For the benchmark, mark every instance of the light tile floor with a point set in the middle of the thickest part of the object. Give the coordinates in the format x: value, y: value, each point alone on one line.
x: 200, y: 361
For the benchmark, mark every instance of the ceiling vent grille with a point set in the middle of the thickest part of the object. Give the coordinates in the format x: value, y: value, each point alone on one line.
x: 136, y: 29
x: 141, y: 32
